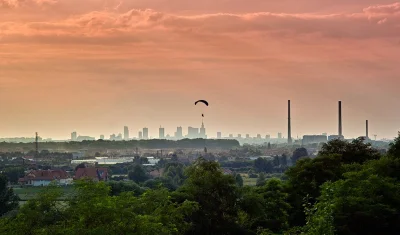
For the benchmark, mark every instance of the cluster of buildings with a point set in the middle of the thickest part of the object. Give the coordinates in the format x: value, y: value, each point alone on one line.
x: 61, y: 177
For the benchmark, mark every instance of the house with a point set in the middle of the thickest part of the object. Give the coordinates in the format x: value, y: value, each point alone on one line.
x: 226, y: 171
x: 157, y: 173
x: 96, y: 174
x: 45, y: 177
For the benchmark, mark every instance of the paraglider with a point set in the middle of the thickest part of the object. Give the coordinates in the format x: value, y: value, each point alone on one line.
x: 201, y: 101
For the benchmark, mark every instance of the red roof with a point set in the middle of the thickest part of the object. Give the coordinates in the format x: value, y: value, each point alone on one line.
x: 44, y: 175
x: 92, y: 173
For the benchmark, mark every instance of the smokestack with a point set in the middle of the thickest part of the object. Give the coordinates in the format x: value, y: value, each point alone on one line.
x: 366, y: 129
x: 340, y: 119
x: 289, y: 125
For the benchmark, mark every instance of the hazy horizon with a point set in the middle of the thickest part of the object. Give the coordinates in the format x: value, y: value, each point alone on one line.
x: 97, y: 67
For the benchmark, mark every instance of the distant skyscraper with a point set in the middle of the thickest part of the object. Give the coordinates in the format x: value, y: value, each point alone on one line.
x: 140, y: 135
x: 268, y: 137
x: 325, y: 134
x: 161, y: 133
x: 258, y: 136
x: 219, y: 135
x: 230, y: 136
x: 126, y: 133
x: 146, y: 133
x: 279, y: 135
x: 239, y: 135
x: 193, y: 133
x: 203, y: 131
x: 74, y: 136
x: 247, y: 136
x: 119, y: 137
x: 102, y: 137
x: 179, y: 133
x: 112, y: 137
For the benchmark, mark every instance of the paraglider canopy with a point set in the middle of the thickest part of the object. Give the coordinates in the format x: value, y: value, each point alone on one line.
x: 201, y: 101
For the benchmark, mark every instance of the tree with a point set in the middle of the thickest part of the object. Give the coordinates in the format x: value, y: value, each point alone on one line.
x: 356, y: 151
x: 305, y: 179
x: 263, y: 165
x: 216, y: 194
x: 8, y: 200
x: 138, y: 174
x: 14, y: 173
x: 361, y: 198
x: 269, y: 145
x: 275, y: 206
x: 261, y: 179
x: 394, y: 147
x: 298, y: 154
x: 239, y: 180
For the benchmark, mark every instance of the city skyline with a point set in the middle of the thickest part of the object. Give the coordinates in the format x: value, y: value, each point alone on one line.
x: 97, y: 67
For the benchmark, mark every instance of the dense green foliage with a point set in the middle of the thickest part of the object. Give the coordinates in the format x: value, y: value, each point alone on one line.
x: 8, y: 200
x: 349, y: 188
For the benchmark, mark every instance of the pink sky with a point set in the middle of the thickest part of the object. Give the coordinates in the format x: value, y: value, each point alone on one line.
x: 94, y: 66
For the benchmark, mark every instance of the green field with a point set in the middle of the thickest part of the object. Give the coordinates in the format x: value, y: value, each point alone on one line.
x: 27, y: 193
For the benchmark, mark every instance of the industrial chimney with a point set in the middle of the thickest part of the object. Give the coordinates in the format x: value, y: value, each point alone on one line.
x: 366, y: 129
x: 340, y: 119
x: 289, y: 125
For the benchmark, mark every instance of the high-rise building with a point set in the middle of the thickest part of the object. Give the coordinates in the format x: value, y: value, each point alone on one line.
x: 178, y: 133
x: 112, y: 137
x: 268, y: 137
x: 247, y: 136
x: 193, y: 133
x: 230, y: 136
x: 126, y: 133
x: 161, y: 133
x: 119, y: 137
x: 146, y: 133
x: 279, y: 135
x: 102, y: 137
x: 258, y: 136
x: 74, y: 136
x: 219, y: 135
x: 239, y: 136
x: 140, y: 135
x: 203, y: 131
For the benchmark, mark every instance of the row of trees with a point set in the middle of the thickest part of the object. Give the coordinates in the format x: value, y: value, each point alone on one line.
x: 146, y: 144
x: 348, y: 189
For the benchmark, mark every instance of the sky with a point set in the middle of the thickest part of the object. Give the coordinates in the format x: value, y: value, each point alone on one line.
x: 94, y: 66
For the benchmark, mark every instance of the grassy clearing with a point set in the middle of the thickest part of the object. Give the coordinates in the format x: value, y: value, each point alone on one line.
x: 27, y: 193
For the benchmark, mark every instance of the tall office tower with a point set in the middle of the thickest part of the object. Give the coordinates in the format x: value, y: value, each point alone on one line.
x: 112, y: 137
x: 74, y: 136
x: 258, y: 136
x: 230, y: 136
x: 146, y: 133
x: 203, y: 131
x: 289, y: 125
x: 178, y: 133
x: 193, y: 133
x: 161, y: 133
x: 119, y: 137
x: 268, y: 137
x: 140, y: 135
x: 126, y: 133
x: 247, y: 136
x: 102, y: 137
x: 219, y: 135
x: 239, y: 136
x: 279, y: 135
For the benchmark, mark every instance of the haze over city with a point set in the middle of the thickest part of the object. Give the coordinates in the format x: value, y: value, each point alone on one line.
x: 98, y: 66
